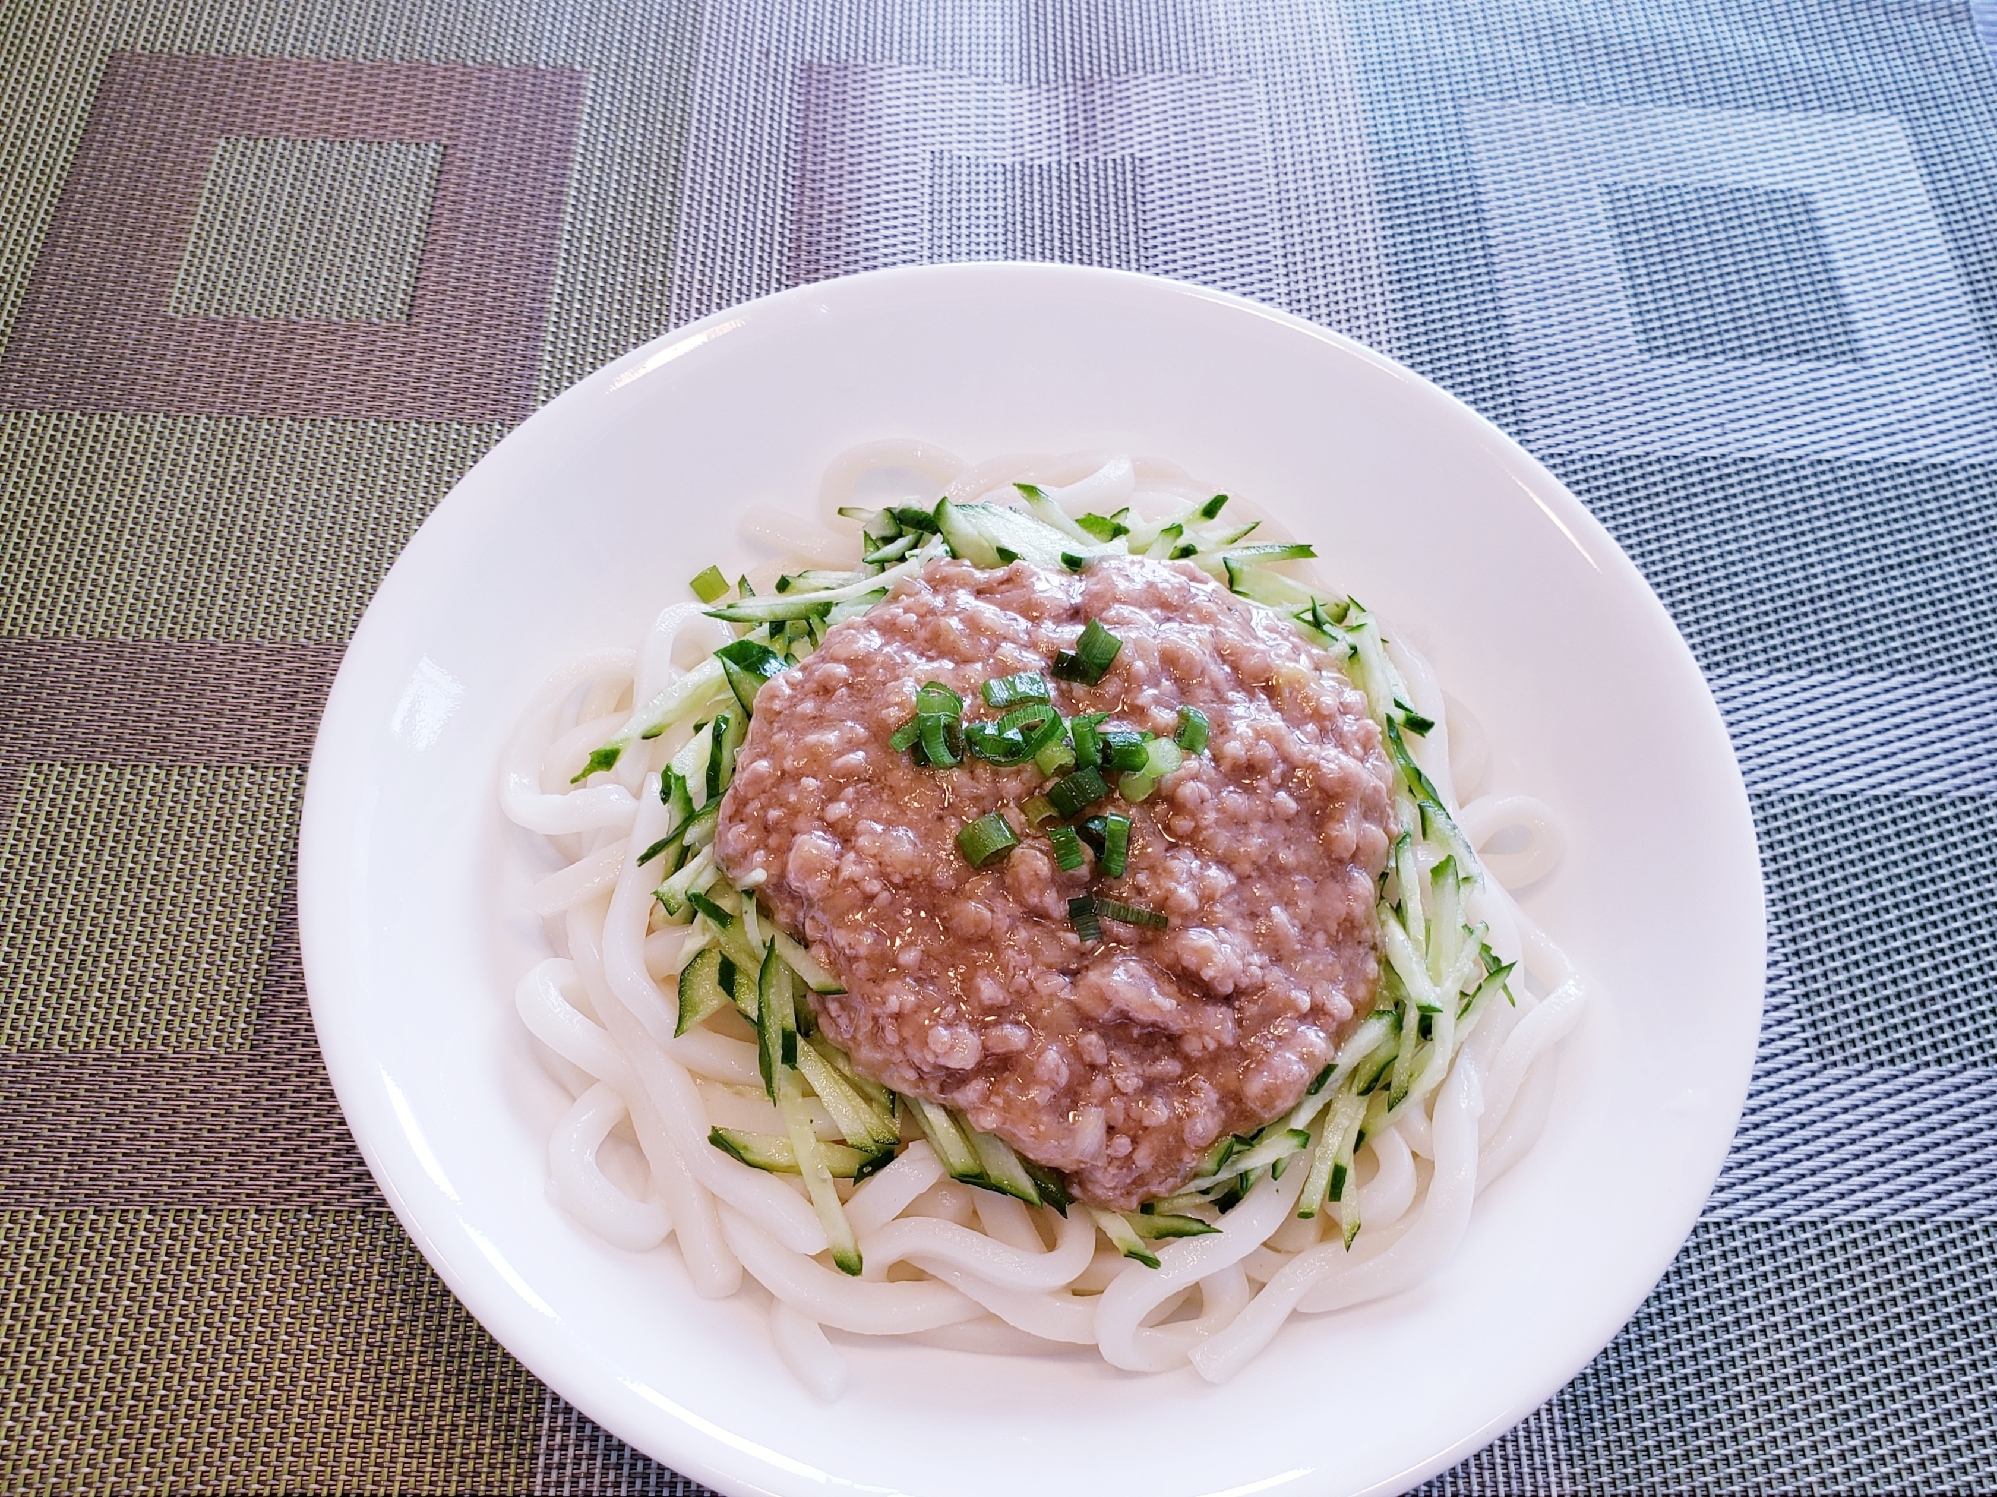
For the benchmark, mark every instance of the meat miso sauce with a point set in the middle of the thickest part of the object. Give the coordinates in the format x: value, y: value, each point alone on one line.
x: 1117, y: 1061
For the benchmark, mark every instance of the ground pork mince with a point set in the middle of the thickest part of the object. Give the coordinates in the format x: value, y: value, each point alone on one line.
x: 1119, y: 1062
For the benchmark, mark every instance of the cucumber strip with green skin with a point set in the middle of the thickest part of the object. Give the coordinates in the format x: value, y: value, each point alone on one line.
x: 959, y: 1158
x: 747, y: 955
x: 684, y: 698
x: 1346, y: 1110
x: 776, y: 1019
x: 851, y: 608
x: 1408, y: 966
x: 1050, y: 514
x: 859, y: 1124
x: 1105, y: 527
x: 1015, y: 534
x: 1142, y: 534
x: 813, y: 1164
x: 1212, y: 539
x: 1260, y: 585
x: 1408, y: 867
x: 882, y: 1099
x: 1377, y: 1064
x: 1495, y: 982
x: 1404, y: 1058
x: 1272, y: 1145
x: 962, y: 534
x: 1053, y: 1189
x: 1217, y: 1154
x: 708, y: 910
x: 1444, y: 828
x: 704, y: 989
x: 1359, y: 1045
x: 1123, y: 1237
x: 672, y: 893
x: 806, y: 966
x: 1377, y: 676
x: 690, y: 763
x: 773, y: 1153
x: 1165, y: 542
x: 687, y: 828
x: 880, y: 522
x: 1157, y: 1226
x: 1342, y: 1130
x: 799, y: 605
x: 1445, y: 927
x: 818, y: 579
x: 778, y: 607
x: 746, y: 665
x: 729, y: 730
x: 1000, y: 1169
x: 1285, y: 551
x: 893, y: 550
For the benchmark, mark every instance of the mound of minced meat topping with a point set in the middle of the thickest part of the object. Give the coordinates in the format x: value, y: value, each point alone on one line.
x: 1117, y: 1062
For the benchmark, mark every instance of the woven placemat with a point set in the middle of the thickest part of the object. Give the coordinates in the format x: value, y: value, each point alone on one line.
x: 1728, y: 266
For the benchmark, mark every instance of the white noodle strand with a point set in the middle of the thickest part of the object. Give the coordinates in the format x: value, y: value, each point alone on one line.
x: 583, y: 1189
x: 813, y: 1360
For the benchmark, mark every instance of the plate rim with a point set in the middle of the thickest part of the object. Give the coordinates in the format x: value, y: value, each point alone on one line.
x: 701, y: 1448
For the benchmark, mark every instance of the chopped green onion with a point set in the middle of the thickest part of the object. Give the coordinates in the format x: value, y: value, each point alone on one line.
x: 904, y: 737
x: 1016, y: 737
x: 1039, y: 810
x: 1004, y: 691
x: 936, y: 697
x: 720, y: 917
x: 932, y: 730
x: 1094, y: 830
x: 1082, y: 915
x: 1067, y: 848
x: 989, y: 837
x: 1056, y: 758
x: 1161, y: 757
x: 709, y: 585
x: 1123, y: 749
x: 1130, y: 914
x: 1116, y: 845
x: 1193, y: 730
x: 1086, y: 733
x: 1136, y: 787
x: 1092, y: 656
x: 1077, y: 792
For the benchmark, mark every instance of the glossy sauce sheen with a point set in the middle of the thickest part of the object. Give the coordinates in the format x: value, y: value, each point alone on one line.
x: 1118, y: 1063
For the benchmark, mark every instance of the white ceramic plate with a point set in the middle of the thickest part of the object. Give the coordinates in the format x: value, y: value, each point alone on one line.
x: 582, y: 523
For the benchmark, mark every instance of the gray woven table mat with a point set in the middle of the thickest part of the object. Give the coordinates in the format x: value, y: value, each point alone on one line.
x: 1729, y: 268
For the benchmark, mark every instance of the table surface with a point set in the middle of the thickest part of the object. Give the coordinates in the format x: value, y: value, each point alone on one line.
x: 272, y: 277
